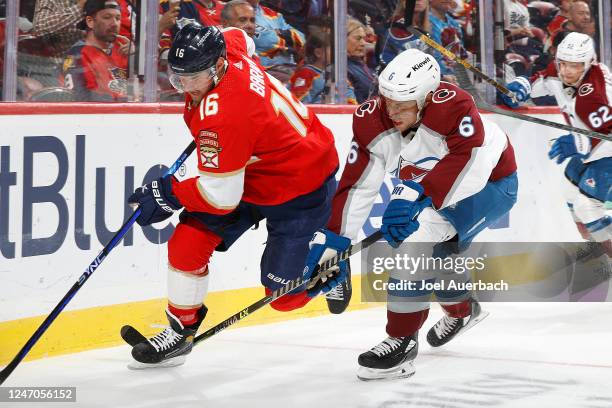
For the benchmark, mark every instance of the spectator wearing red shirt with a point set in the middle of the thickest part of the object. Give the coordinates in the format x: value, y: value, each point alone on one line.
x: 96, y: 69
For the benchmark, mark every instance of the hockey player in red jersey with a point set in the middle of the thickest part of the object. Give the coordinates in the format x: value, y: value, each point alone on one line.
x: 583, y: 90
x: 96, y: 68
x: 262, y: 155
x: 458, y: 176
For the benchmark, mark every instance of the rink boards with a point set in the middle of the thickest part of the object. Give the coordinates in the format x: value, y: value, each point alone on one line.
x: 65, y: 174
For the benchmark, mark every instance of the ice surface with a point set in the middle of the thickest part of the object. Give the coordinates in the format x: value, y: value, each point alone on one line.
x: 522, y: 355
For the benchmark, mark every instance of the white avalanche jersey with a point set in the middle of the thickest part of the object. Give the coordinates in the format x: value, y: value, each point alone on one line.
x: 452, y: 154
x: 587, y: 107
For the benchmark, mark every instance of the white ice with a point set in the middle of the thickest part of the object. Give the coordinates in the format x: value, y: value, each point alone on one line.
x: 522, y: 355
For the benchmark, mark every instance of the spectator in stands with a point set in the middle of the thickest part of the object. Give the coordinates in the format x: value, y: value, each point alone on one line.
x: 54, y: 32
x: 204, y: 12
x: 396, y: 38
x: 579, y: 18
x: 560, y: 19
x: 278, y: 44
x: 298, y: 13
x: 309, y: 83
x: 446, y: 31
x: 520, y: 37
x: 56, y: 21
x: 373, y: 13
x: 95, y: 68
x: 240, y: 14
x: 210, y: 11
x: 516, y: 20
x: 359, y: 74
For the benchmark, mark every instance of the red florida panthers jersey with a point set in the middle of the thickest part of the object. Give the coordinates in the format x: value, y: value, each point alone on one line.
x: 255, y: 141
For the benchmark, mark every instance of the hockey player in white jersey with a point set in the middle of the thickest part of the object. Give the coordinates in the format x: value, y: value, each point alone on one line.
x: 458, y: 176
x: 583, y: 90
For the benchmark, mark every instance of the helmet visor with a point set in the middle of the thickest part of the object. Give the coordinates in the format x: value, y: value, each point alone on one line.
x: 192, y: 82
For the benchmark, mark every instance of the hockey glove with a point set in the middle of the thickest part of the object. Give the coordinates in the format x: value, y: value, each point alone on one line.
x: 155, y: 200
x: 325, y: 245
x: 400, y: 217
x: 568, y: 146
x: 521, y: 89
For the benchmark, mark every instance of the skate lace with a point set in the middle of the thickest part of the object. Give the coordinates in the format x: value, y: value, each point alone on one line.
x: 337, y: 293
x: 165, y: 339
x: 444, y: 326
x: 387, y: 346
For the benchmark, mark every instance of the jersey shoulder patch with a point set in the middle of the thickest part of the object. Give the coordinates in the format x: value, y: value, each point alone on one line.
x: 369, y: 123
x: 593, y: 105
x: 448, y: 108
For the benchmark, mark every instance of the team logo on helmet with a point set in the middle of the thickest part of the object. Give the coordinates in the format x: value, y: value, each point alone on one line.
x: 209, y: 149
x: 585, y: 89
x: 443, y: 95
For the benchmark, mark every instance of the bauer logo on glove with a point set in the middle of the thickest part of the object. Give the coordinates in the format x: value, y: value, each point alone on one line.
x: 156, y: 201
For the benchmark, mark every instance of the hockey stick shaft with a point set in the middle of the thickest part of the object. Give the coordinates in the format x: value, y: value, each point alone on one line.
x: 485, y: 106
x: 280, y: 292
x: 91, y: 268
x: 438, y: 47
x: 467, y: 85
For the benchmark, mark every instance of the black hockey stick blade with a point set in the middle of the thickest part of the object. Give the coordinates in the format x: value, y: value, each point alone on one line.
x: 235, y: 318
x: 131, y: 335
x: 91, y: 268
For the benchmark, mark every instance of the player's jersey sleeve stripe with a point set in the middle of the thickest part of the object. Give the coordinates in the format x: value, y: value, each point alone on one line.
x: 222, y: 191
x: 211, y: 193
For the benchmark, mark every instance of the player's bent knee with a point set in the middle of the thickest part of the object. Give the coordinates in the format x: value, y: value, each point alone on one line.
x: 291, y: 302
x: 191, y: 246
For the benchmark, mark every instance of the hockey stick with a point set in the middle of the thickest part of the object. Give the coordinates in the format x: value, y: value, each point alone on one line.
x: 280, y: 292
x: 438, y: 47
x: 467, y: 85
x: 6, y: 371
x: 485, y: 106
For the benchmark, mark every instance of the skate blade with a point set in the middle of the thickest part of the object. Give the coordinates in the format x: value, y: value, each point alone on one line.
x: 404, y: 370
x: 473, y: 322
x: 172, y: 362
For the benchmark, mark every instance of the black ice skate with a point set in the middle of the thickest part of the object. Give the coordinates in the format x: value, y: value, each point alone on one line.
x: 168, y: 348
x: 339, y: 297
x: 448, y: 327
x: 390, y: 359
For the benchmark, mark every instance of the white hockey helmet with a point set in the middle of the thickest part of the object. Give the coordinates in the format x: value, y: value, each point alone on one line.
x: 410, y: 76
x: 576, y: 47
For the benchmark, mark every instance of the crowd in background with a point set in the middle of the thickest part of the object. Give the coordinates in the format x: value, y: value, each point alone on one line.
x: 86, y: 50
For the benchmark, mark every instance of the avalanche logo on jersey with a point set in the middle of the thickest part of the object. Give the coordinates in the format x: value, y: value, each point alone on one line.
x: 408, y: 170
x: 209, y: 149
x: 443, y: 95
x: 585, y: 89
x: 365, y: 108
